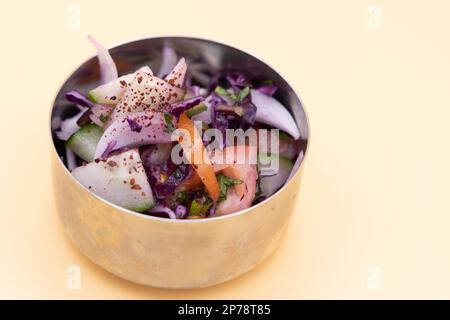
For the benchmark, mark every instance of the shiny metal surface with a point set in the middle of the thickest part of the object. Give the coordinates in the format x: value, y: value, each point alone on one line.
x: 173, y: 253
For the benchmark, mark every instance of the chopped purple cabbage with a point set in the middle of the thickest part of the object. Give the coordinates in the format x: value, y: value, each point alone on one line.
x: 157, y: 210
x: 268, y: 89
x: 134, y: 126
x: 78, y: 98
x: 179, y: 107
x: 109, y: 149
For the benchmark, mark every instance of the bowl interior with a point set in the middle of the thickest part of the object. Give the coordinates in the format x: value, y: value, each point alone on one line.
x: 204, y: 58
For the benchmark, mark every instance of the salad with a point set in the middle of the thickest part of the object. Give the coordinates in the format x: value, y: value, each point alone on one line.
x: 164, y: 145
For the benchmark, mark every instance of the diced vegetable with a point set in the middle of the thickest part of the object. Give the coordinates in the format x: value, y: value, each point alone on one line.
x: 195, y: 153
x: 226, y: 182
x: 270, y: 184
x: 199, y: 207
x: 120, y: 179
x: 196, y: 110
x: 240, y: 196
x: 85, y: 140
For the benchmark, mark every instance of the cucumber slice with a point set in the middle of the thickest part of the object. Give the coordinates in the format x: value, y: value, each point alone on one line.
x: 84, y: 141
x: 270, y: 184
x: 120, y: 179
x: 111, y: 92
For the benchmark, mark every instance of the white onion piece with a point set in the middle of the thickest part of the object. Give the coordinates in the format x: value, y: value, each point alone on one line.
x: 108, y: 69
x: 70, y: 159
x: 153, y: 130
x: 272, y: 112
x: 162, y: 209
x: 100, y: 111
x: 168, y: 61
x: 146, y: 93
x: 69, y: 126
x: 176, y: 76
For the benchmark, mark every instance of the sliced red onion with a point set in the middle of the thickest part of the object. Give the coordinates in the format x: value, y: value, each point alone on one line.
x: 272, y: 112
x: 176, y: 76
x: 268, y: 89
x: 134, y: 126
x: 69, y: 126
x: 237, y: 80
x: 98, y: 112
x: 108, y: 69
x: 153, y: 131
x: 168, y: 61
x: 85, y: 118
x: 163, y: 209
x: 109, y: 149
x: 180, y: 211
x: 296, y: 166
x: 78, y: 98
x: 178, y: 108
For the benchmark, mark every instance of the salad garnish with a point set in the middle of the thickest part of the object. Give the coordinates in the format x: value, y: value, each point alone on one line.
x: 179, y: 143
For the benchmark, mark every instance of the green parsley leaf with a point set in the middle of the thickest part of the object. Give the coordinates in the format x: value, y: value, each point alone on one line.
x: 243, y: 93
x: 199, y: 207
x: 169, y: 125
x: 181, y: 197
x: 103, y: 118
x: 225, y: 183
x: 222, y: 91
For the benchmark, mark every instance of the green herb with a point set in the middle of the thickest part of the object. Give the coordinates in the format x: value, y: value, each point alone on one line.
x: 238, y: 98
x: 168, y: 120
x: 199, y: 207
x: 103, y: 118
x: 225, y: 183
x: 177, y: 174
x: 243, y: 93
x: 268, y: 82
x: 223, y: 92
x: 182, y: 197
x: 196, y: 110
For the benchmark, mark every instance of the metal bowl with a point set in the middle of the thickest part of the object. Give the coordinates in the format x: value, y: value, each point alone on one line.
x: 172, y: 253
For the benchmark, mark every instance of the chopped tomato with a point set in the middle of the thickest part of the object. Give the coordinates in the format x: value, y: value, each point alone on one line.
x: 228, y: 162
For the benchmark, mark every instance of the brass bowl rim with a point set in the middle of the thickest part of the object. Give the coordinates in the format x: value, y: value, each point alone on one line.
x: 203, y: 220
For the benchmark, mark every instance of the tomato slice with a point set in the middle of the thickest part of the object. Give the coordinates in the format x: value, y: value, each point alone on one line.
x: 194, y: 151
x: 238, y: 162
x: 240, y: 196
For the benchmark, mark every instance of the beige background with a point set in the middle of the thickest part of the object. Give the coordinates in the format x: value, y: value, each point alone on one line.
x: 372, y: 220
